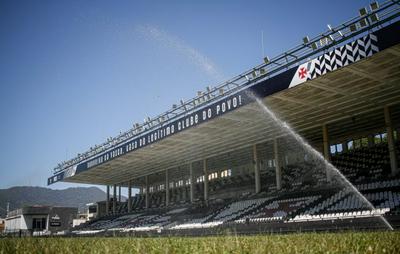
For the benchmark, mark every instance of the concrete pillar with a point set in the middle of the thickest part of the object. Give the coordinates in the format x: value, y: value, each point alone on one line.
x: 129, y: 196
x: 390, y: 140
x: 166, y: 187
x: 114, y: 199
x: 108, y: 200
x: 183, y: 193
x: 327, y: 152
x: 191, y: 177
x: 256, y: 170
x: 205, y: 180
x: 119, y: 193
x: 147, y: 191
x: 344, y: 145
x: 278, y: 171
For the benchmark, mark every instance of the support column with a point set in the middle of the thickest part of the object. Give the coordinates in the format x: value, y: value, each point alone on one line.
x: 129, y: 196
x: 114, y: 199
x: 327, y: 153
x: 205, y: 180
x: 108, y: 200
x: 390, y: 141
x: 256, y: 170
x: 191, y: 177
x: 278, y: 171
x: 119, y: 193
x: 147, y: 191
x: 344, y: 145
x: 166, y: 187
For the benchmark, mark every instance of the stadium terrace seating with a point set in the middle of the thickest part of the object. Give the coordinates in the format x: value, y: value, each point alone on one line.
x: 305, y: 197
x: 299, y: 206
x: 341, y: 215
x: 197, y: 225
x: 302, y: 176
x: 281, y: 208
x: 222, y: 185
x: 237, y: 209
x: 366, y: 163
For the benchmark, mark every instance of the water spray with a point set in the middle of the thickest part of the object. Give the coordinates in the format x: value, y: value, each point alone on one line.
x: 286, y: 127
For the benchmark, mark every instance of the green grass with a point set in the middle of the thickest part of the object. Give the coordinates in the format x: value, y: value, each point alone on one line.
x: 349, y: 242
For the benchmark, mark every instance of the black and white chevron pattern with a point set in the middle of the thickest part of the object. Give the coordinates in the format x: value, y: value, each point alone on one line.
x: 344, y: 55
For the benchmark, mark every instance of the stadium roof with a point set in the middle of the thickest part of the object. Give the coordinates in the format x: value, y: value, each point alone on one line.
x: 345, y: 81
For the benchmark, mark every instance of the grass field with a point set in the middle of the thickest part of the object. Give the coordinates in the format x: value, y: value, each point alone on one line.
x: 358, y: 242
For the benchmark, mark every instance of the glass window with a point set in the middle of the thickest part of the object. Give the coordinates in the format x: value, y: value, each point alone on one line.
x: 350, y: 145
x: 339, y: 148
x: 333, y: 149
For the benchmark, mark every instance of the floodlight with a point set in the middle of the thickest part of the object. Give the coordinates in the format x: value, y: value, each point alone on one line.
x: 363, y: 22
x: 323, y: 41
x: 306, y: 40
x: 314, y: 46
x: 374, y: 6
x: 329, y: 27
x: 353, y: 27
x: 148, y: 119
x: 208, y: 88
x: 174, y: 106
x: 263, y: 71
x: 340, y: 33
x: 362, y: 12
x: 254, y: 73
x: 183, y: 104
x: 331, y: 37
x: 199, y: 93
x: 221, y: 91
x: 374, y: 18
x: 247, y: 78
x: 266, y: 60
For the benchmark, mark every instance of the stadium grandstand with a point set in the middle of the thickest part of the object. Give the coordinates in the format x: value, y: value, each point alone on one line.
x: 229, y: 158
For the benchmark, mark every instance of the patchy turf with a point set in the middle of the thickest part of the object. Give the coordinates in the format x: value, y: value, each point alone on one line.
x: 349, y: 242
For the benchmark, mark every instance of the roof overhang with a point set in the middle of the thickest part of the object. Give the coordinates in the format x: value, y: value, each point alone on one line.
x: 354, y: 80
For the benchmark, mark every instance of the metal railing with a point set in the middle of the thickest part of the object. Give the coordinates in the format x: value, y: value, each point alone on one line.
x: 367, y: 22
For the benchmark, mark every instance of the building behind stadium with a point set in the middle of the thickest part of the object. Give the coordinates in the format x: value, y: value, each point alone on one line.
x: 32, y: 220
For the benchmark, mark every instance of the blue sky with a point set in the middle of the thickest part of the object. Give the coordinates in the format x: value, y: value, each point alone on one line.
x: 73, y: 73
